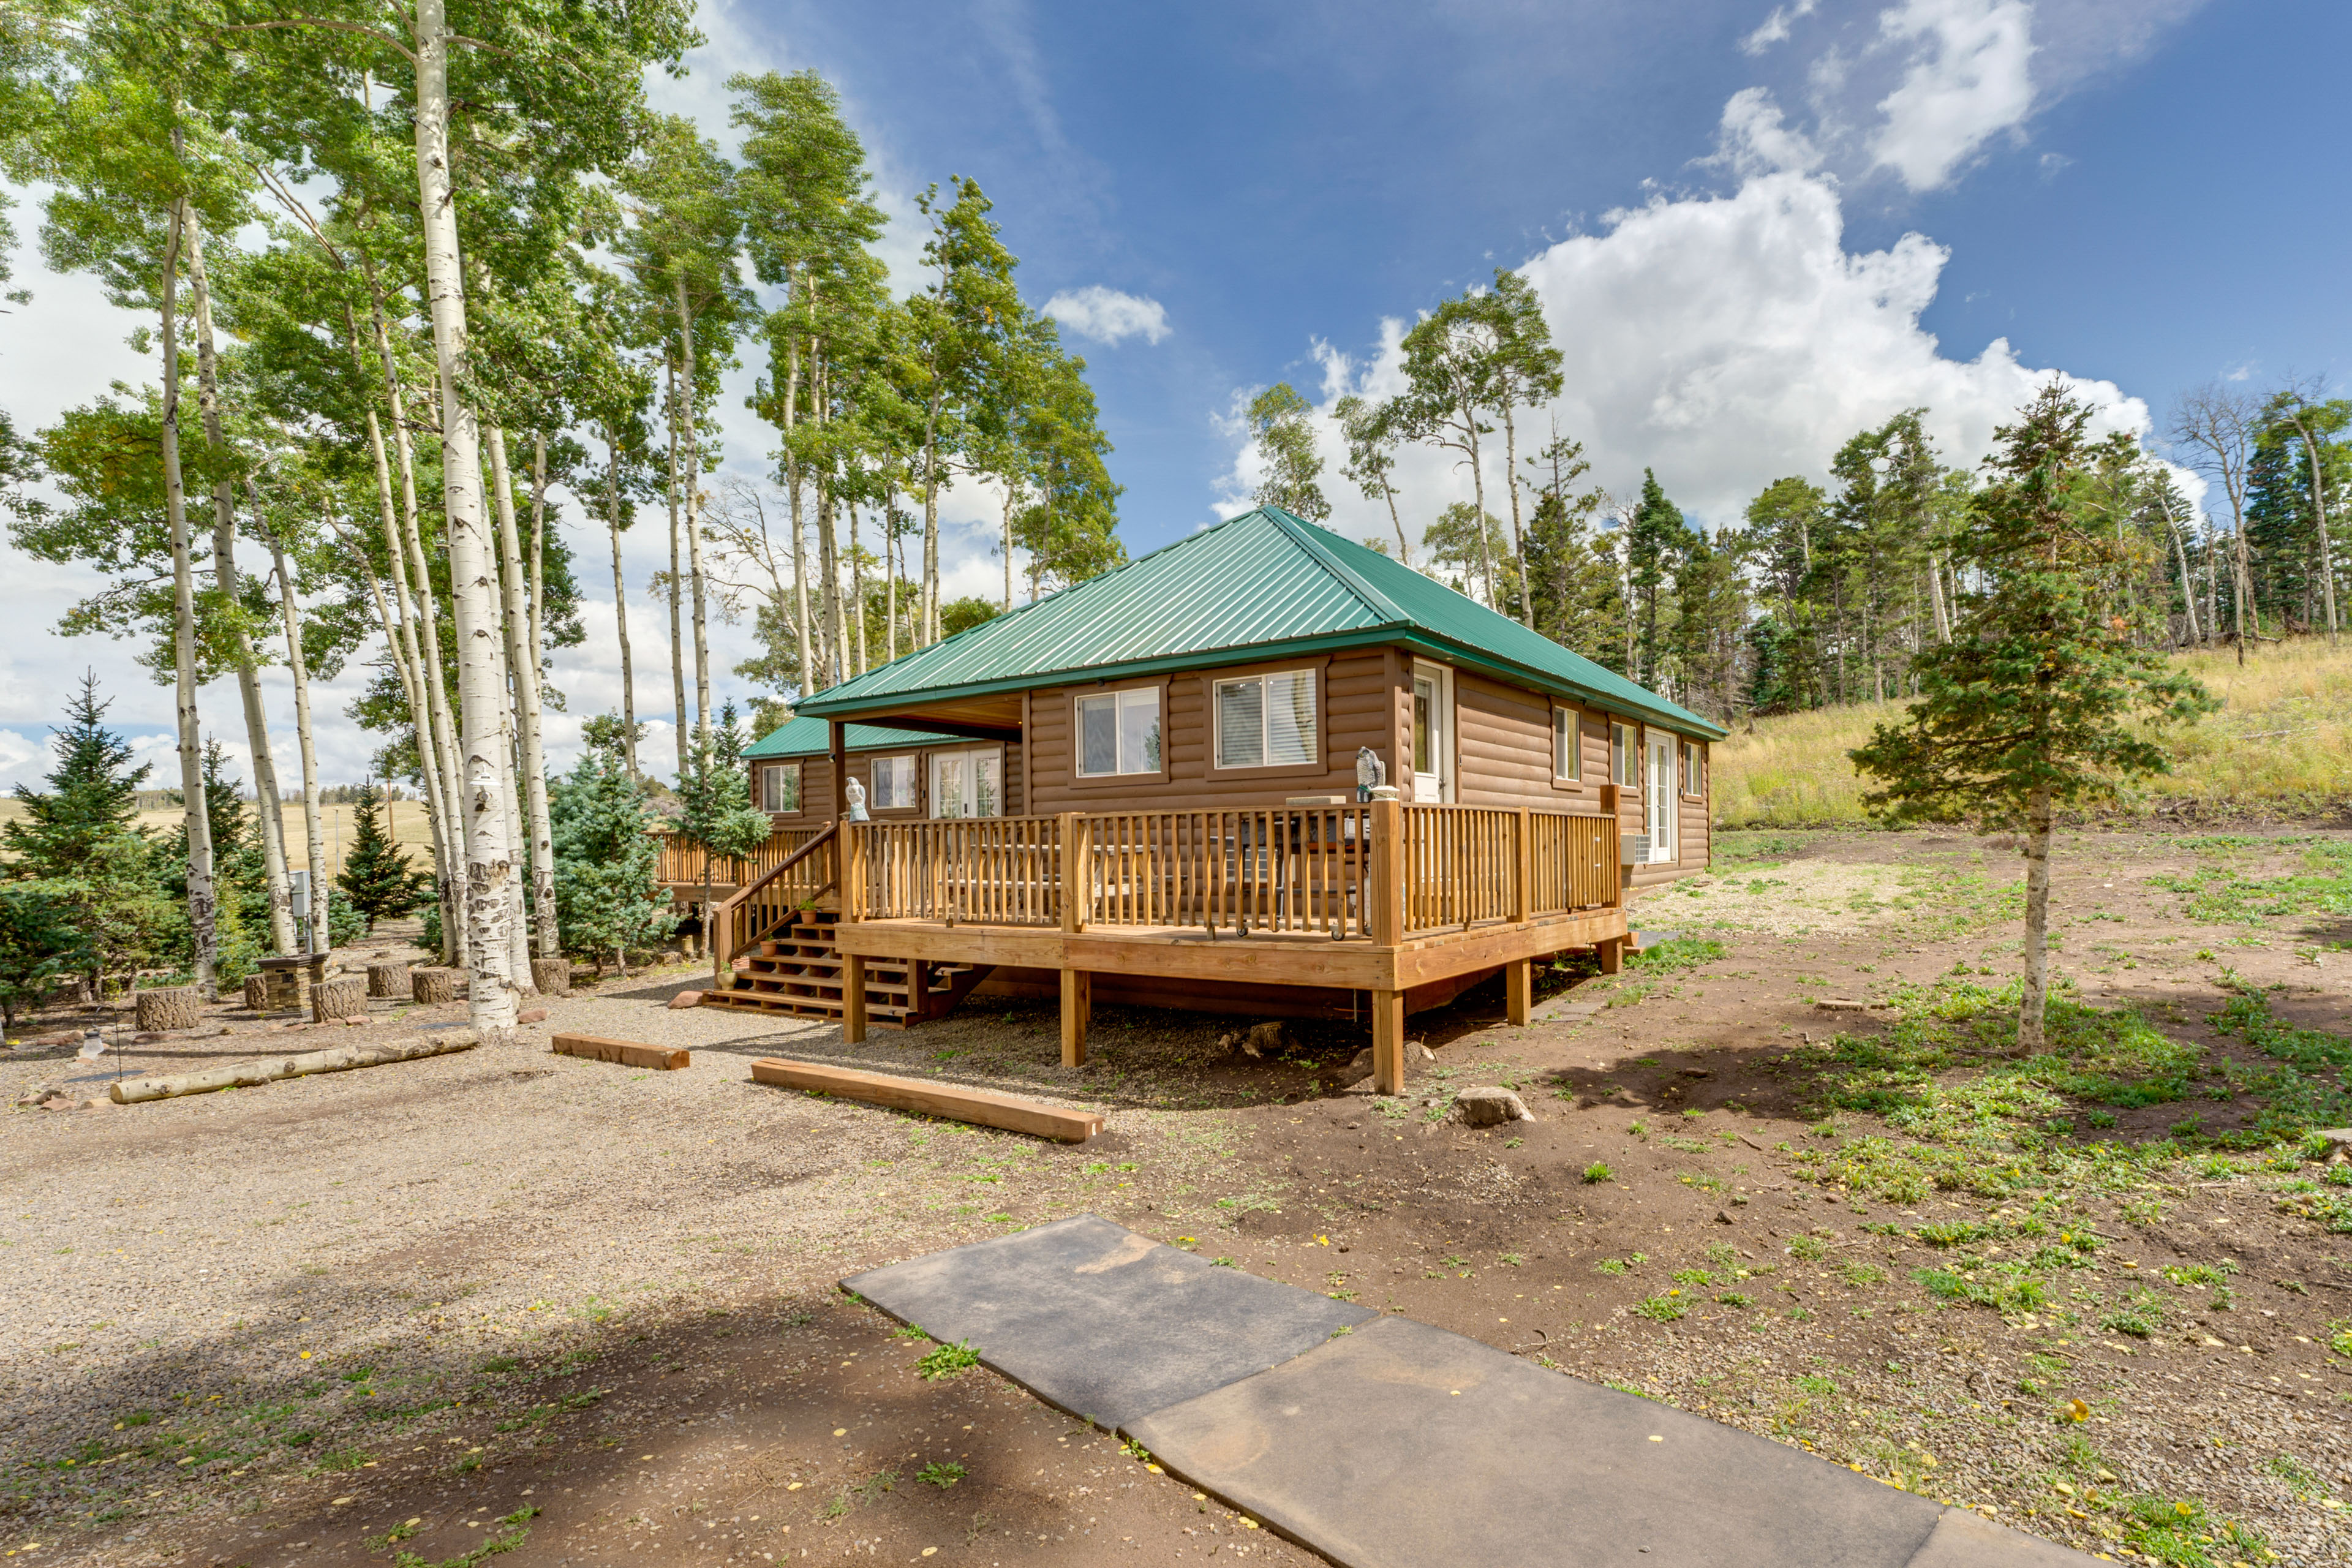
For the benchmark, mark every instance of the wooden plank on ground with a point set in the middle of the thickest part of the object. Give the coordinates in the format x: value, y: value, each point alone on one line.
x: 982, y: 1107
x: 628, y: 1053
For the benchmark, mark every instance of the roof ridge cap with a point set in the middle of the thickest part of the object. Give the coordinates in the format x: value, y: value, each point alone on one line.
x: 1299, y: 532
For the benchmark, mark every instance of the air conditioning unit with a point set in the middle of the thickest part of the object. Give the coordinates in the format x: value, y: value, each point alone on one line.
x: 1633, y: 850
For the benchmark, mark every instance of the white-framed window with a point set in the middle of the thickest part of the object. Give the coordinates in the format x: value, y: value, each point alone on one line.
x: 1118, y: 732
x: 1266, y: 720
x: 1566, y: 745
x: 1624, y: 759
x: 1694, y: 769
x: 968, y: 783
x: 893, y: 785
x: 780, y: 787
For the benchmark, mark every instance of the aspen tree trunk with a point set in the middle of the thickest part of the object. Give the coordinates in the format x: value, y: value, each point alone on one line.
x: 269, y: 816
x: 394, y: 632
x: 514, y: 621
x: 857, y: 593
x: 677, y: 630
x: 523, y: 676
x: 1478, y: 494
x: 313, y: 831
x: 437, y: 807
x: 693, y: 513
x: 809, y: 681
x: 929, y: 632
x: 490, y: 866
x: 1008, y: 544
x: 2188, y: 585
x: 534, y: 749
x: 2314, y: 452
x: 2033, y: 1006
x: 619, y: 599
x: 2212, y: 582
x: 889, y: 575
x: 1519, y: 539
x: 202, y: 905
x: 443, y: 756
x: 828, y: 553
x: 1936, y: 601
x: 1404, y: 546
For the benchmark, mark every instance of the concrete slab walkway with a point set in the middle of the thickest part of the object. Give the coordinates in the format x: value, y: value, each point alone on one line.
x: 1384, y: 1443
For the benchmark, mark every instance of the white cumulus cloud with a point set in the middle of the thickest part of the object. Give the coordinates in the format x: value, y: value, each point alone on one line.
x: 1723, y: 341
x: 1108, y: 316
x: 1755, y: 138
x: 1775, y: 27
x: 1969, y: 79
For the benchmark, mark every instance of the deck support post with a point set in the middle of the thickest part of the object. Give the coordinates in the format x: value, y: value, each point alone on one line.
x: 1611, y: 953
x: 1387, y: 872
x: 1520, y: 990
x: 837, y: 747
x: 1387, y: 1042
x: 1078, y: 1012
x: 853, y: 998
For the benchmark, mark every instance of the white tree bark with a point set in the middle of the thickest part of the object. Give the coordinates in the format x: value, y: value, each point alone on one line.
x: 1518, y: 539
x: 437, y: 696
x: 202, y: 906
x: 314, y: 836
x: 270, y: 813
x: 490, y: 861
x: 677, y: 625
x: 692, y: 443
x: 534, y: 750
x: 619, y: 599
x: 2035, y: 1006
x: 515, y: 620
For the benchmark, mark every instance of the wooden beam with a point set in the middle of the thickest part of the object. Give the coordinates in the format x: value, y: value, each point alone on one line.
x: 1387, y: 1042
x: 1519, y: 989
x: 837, y: 748
x: 1523, y: 866
x: 853, y: 998
x: 979, y: 1106
x: 1388, y: 873
x: 1078, y: 1012
x: 959, y: 727
x: 1611, y: 953
x: 628, y: 1053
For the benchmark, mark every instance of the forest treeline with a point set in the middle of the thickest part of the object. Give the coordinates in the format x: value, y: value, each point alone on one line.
x: 1821, y: 595
x: 412, y: 270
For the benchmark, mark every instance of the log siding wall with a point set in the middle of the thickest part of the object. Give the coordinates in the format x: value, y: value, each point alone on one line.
x: 816, y: 783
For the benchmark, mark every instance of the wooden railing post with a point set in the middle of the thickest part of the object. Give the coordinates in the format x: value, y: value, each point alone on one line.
x: 1387, y: 891
x: 849, y: 872
x: 1522, y: 869
x: 1075, y: 895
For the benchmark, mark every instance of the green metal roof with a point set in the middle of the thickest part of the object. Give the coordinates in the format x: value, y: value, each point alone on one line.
x: 807, y: 736
x: 1259, y: 586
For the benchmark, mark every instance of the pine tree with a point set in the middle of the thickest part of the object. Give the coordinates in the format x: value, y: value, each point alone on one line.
x: 716, y: 791
x: 1653, y: 543
x: 80, y: 845
x: 2039, y: 700
x: 377, y: 876
x: 608, y: 899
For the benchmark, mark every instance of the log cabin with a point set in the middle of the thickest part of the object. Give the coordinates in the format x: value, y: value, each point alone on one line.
x: 1155, y: 779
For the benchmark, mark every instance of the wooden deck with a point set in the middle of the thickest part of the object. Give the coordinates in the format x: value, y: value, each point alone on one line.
x: 1380, y: 898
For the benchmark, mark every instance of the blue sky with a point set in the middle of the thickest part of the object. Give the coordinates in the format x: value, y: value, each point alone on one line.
x: 1754, y: 228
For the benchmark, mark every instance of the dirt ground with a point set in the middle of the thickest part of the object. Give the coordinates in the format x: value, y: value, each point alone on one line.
x: 503, y: 1303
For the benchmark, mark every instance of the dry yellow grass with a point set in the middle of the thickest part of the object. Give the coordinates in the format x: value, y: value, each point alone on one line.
x: 2280, y: 746
x: 335, y: 821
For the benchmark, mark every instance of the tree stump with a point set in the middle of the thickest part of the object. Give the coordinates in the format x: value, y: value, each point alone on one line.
x: 168, y: 1008
x: 257, y: 994
x: 334, y: 999
x: 427, y: 986
x: 551, y: 975
x: 387, y: 979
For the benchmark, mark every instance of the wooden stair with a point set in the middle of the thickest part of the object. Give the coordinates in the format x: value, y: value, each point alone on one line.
x: 797, y: 973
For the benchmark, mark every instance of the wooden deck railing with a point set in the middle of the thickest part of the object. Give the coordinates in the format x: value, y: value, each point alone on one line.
x: 797, y: 879
x: 682, y: 857
x: 1380, y: 872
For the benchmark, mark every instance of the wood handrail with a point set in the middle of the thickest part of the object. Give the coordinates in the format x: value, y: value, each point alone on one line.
x: 721, y: 925
x: 786, y: 864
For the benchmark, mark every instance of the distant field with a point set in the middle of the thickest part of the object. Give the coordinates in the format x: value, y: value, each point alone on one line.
x: 335, y: 822
x: 2280, y: 747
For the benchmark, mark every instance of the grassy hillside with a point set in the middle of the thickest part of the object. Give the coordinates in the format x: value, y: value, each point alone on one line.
x: 2280, y: 747
x: 335, y: 821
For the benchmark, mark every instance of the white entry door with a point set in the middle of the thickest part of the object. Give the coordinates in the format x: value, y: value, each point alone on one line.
x: 1663, y: 800
x: 1433, y: 733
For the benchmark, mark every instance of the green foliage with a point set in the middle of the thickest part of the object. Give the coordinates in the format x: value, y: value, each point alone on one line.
x: 1665, y: 1308
x: 947, y: 1360
x: 1282, y: 424
x: 378, y: 878
x: 1598, y: 1172
x: 1677, y: 953
x: 941, y: 1473
x: 85, y: 869
x: 39, y: 947
x: 606, y: 897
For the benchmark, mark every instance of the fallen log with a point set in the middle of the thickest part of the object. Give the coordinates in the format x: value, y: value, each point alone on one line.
x: 246, y: 1074
x: 628, y: 1053
x: 982, y: 1107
